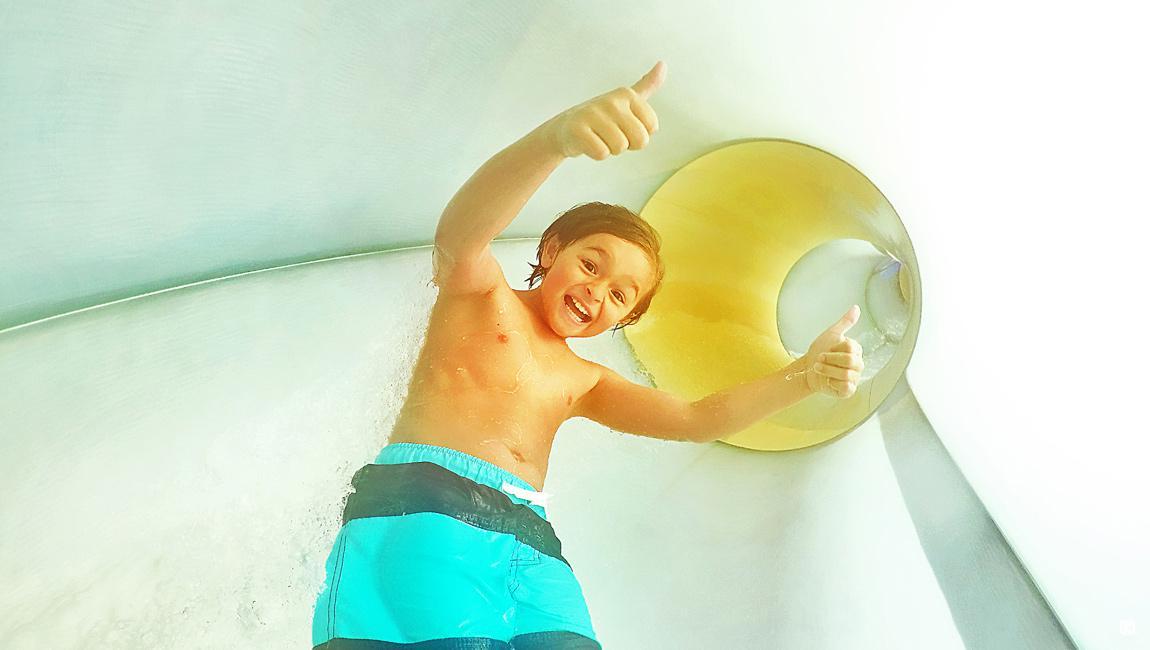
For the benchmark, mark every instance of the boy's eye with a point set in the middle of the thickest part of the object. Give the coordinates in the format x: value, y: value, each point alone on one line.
x: 621, y: 296
x: 589, y: 265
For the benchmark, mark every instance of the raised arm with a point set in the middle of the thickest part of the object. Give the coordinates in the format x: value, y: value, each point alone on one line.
x: 494, y: 195
x: 486, y: 204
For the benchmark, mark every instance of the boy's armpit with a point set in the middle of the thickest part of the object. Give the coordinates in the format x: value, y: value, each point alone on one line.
x: 465, y: 272
x: 623, y: 405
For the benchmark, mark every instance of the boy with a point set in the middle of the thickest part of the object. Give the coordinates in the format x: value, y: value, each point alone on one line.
x: 445, y: 542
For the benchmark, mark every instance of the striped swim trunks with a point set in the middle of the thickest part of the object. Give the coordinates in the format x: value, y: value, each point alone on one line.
x: 442, y: 550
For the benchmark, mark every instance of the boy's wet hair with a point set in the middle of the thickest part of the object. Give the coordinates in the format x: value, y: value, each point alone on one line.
x: 594, y: 218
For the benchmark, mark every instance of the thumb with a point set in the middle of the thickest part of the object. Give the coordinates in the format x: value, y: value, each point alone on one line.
x: 651, y: 81
x: 847, y: 321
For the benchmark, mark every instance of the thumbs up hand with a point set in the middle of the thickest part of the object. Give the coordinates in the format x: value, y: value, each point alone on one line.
x: 835, y: 360
x: 612, y: 122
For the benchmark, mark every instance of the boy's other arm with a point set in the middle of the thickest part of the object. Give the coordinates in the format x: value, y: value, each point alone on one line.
x: 832, y: 366
x: 494, y: 195
x: 625, y: 406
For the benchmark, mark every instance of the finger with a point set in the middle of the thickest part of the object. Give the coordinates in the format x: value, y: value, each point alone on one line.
x: 637, y: 136
x: 651, y: 81
x: 847, y: 345
x: 840, y: 359
x: 611, y: 135
x: 850, y: 360
x: 646, y: 115
x: 837, y: 373
x: 847, y: 321
x: 855, y: 347
x: 847, y: 390
x: 592, y: 145
x: 842, y: 388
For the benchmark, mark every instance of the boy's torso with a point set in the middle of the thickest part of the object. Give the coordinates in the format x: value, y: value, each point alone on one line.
x: 494, y: 381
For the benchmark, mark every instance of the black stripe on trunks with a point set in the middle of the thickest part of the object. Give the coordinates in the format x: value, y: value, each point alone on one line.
x: 393, y: 490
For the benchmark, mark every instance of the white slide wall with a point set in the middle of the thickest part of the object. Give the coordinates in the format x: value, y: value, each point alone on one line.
x: 172, y: 463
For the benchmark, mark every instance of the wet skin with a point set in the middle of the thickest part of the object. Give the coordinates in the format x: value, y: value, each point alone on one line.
x: 495, y: 377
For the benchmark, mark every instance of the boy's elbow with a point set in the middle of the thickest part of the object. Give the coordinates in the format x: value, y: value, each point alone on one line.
x: 706, y: 423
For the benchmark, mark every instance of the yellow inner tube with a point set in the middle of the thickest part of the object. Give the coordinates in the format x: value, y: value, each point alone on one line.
x: 734, y: 222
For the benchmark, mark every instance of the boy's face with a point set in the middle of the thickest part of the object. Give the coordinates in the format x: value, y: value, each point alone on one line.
x: 605, y: 274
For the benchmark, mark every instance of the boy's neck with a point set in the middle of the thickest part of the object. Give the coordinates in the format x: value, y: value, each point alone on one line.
x: 531, y: 300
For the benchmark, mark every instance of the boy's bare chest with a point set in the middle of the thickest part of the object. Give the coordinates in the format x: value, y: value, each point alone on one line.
x: 494, y: 357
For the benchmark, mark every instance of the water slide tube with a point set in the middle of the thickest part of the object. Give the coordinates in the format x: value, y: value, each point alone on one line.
x: 215, y: 277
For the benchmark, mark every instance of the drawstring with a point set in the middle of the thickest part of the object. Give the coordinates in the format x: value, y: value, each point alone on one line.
x: 536, y: 498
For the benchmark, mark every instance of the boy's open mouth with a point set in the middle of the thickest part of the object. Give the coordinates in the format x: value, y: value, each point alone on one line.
x: 576, y: 310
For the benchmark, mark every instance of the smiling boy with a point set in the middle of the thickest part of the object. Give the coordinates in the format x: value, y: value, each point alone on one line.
x: 446, y: 542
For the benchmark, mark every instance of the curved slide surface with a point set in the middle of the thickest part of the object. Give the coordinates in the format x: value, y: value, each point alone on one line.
x: 213, y: 229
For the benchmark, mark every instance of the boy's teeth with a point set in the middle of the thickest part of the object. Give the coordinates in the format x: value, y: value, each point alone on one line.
x: 575, y: 308
x: 579, y: 307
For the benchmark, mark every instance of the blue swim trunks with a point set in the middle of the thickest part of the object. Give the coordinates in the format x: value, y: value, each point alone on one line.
x: 442, y: 550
